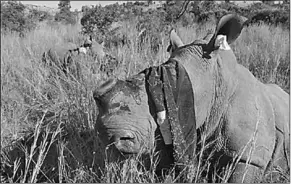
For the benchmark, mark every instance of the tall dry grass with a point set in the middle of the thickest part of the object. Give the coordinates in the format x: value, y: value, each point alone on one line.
x: 63, y: 145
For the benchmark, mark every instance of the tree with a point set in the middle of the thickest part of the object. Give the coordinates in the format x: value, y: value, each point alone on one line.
x: 185, y: 5
x: 150, y: 2
x: 14, y: 19
x: 64, y: 5
x: 38, y: 15
x: 268, y: 2
x: 98, y: 19
x: 85, y: 9
x: 65, y: 15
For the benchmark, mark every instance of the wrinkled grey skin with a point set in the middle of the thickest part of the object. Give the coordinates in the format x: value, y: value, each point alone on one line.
x: 232, y: 107
x: 134, y: 133
x: 126, y: 123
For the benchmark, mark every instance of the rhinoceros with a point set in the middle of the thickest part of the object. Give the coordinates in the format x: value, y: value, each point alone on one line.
x: 64, y: 58
x: 199, y: 90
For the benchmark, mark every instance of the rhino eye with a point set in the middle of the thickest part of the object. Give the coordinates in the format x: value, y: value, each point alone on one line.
x: 117, y: 106
x: 125, y: 108
x: 114, y: 105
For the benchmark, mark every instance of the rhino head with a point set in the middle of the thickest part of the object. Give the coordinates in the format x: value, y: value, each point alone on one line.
x: 141, y: 114
x: 124, y: 116
x: 131, y: 112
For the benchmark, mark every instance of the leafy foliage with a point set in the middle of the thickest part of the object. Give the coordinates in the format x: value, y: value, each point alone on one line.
x: 16, y: 18
x: 65, y: 15
x: 256, y: 13
x: 273, y: 17
x: 64, y: 5
x: 98, y: 19
x: 13, y: 17
x: 39, y: 15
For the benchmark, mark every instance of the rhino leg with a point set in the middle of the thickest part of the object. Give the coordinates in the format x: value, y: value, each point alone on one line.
x: 279, y: 163
x: 244, y: 173
x: 277, y: 166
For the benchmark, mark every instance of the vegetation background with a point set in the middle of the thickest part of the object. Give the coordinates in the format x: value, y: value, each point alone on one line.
x: 47, y: 120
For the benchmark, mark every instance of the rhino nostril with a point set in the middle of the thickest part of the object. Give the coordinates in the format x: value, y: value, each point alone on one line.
x: 126, y: 138
x: 118, y: 138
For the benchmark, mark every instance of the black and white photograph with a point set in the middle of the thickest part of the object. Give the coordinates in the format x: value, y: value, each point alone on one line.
x: 145, y: 91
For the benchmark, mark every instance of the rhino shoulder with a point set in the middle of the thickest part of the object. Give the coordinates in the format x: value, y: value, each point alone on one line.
x: 278, y: 96
x: 245, y: 75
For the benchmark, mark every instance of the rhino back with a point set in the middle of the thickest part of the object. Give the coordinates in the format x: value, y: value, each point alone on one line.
x: 269, y: 93
x: 252, y: 96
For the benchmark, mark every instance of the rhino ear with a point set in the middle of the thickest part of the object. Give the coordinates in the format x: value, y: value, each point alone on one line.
x: 230, y: 27
x: 105, y: 87
x: 175, y: 41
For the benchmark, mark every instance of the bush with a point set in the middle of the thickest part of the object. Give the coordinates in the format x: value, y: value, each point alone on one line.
x: 39, y: 16
x: 14, y: 19
x: 256, y: 13
x: 272, y: 17
x: 65, y: 17
x: 98, y: 19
